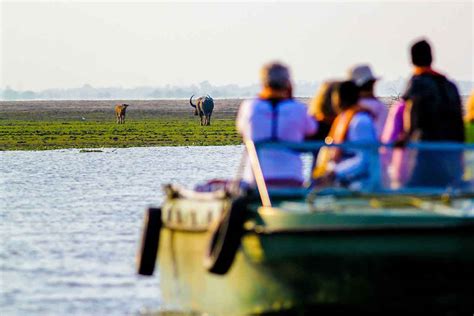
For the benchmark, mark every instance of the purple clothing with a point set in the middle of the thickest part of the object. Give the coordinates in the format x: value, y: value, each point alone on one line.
x: 394, y: 123
x: 395, y: 166
x: 378, y: 110
x: 354, y: 165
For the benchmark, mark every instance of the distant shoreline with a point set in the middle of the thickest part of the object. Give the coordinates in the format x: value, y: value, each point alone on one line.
x: 172, y: 104
x: 386, y: 97
x: 120, y: 99
x: 159, y: 99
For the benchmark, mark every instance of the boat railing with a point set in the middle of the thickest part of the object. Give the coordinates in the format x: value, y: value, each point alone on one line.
x: 455, y: 159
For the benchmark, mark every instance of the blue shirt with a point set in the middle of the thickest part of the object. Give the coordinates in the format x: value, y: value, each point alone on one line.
x: 355, y: 163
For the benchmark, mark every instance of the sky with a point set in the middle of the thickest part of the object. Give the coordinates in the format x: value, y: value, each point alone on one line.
x: 118, y: 43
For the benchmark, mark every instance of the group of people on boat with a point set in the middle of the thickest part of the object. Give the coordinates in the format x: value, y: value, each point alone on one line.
x: 347, y: 111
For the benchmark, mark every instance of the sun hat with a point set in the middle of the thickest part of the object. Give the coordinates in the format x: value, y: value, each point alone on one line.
x: 275, y: 75
x: 361, y: 74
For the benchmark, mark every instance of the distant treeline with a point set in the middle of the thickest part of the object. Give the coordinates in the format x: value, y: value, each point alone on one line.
x: 87, y: 92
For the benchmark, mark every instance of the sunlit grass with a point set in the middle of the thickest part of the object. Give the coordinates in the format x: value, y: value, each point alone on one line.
x: 56, y: 134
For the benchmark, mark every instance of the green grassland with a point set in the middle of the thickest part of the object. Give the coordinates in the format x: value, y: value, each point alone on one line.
x: 57, y: 124
x: 44, y: 134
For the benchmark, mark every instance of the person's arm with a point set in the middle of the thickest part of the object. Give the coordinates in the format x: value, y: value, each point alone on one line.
x: 394, y: 123
x: 413, y: 114
x: 457, y: 111
x: 310, y: 125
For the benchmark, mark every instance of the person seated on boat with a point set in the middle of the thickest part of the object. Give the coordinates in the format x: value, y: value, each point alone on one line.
x: 365, y: 80
x: 321, y: 108
x: 346, y: 167
x: 433, y: 113
x: 275, y: 116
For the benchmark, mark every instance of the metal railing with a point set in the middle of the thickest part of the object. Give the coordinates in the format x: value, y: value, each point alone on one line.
x: 374, y: 183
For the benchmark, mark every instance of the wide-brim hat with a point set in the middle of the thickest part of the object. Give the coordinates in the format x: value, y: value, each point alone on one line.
x: 361, y: 74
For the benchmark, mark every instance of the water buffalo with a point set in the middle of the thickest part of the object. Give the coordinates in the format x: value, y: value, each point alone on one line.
x: 203, y: 108
x: 120, y: 113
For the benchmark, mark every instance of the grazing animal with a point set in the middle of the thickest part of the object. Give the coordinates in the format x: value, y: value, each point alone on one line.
x: 203, y: 108
x: 120, y: 113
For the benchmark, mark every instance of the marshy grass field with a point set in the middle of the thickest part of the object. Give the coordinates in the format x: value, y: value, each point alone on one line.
x: 41, y: 125
x: 38, y: 135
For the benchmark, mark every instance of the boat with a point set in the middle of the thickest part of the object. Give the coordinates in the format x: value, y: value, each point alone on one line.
x: 284, y: 250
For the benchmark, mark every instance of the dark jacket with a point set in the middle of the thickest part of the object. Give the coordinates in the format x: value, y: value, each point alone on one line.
x: 436, y: 110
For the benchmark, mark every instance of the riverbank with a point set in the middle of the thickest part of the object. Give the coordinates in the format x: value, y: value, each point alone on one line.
x: 43, y: 135
x: 42, y: 125
x: 51, y: 124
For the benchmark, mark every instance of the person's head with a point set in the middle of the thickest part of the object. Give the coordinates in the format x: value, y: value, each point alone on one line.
x: 363, y: 77
x: 367, y: 86
x: 275, y: 76
x: 421, y: 54
x: 470, y: 108
x: 321, y: 106
x: 345, y: 96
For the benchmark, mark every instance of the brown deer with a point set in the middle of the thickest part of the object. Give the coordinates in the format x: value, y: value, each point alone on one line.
x: 120, y: 113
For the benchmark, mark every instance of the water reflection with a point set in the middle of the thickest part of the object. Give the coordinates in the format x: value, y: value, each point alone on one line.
x: 71, y: 220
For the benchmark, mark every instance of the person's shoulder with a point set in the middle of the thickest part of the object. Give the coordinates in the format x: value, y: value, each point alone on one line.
x: 439, y: 81
x: 451, y: 85
x: 362, y: 126
x: 422, y: 80
x: 250, y: 103
x: 295, y: 101
x: 363, y: 117
x: 296, y: 104
x: 419, y: 85
x: 372, y: 101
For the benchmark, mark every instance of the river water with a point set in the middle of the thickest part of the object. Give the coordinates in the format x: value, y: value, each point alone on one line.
x: 71, y: 223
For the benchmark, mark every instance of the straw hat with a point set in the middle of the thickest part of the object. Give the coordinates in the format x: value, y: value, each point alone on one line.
x: 361, y: 74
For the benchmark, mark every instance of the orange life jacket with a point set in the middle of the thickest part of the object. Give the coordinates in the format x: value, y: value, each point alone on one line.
x: 337, y: 135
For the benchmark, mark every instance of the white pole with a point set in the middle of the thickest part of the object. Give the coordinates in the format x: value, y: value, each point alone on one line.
x: 258, y: 174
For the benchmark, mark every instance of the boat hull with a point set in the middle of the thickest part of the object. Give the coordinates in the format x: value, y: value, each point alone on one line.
x: 294, y: 264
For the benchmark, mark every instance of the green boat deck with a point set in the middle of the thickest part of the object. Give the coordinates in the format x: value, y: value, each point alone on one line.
x: 296, y: 256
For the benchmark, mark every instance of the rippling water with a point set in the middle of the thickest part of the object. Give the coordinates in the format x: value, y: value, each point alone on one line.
x: 71, y: 221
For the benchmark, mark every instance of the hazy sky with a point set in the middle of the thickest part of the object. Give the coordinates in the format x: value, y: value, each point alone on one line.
x: 68, y: 44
